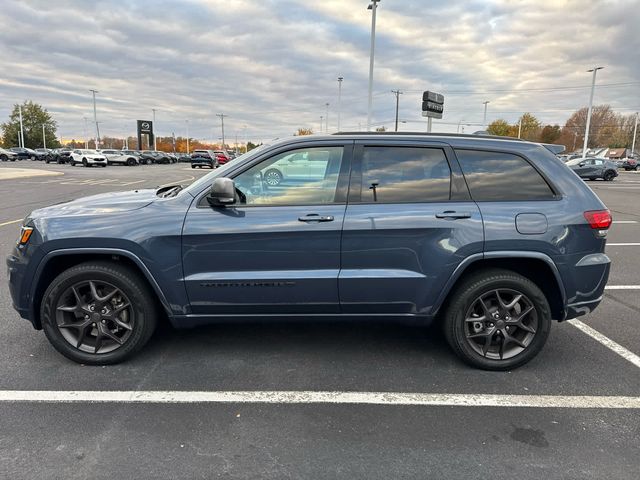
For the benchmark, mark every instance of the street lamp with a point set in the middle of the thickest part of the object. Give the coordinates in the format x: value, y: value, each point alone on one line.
x: 95, y: 119
x: 635, y: 132
x: 459, y: 123
x: 593, y: 86
x: 373, y: 6
x: 339, y: 99
x: 484, y: 121
x: 187, y: 121
x: 86, y: 139
x: 155, y: 143
x: 326, y: 120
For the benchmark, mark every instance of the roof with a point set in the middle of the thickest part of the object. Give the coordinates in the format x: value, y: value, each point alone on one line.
x: 616, y: 152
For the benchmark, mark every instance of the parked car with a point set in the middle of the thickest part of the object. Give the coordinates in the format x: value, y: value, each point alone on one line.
x: 592, y: 168
x: 184, y: 157
x: 87, y: 158
x: 204, y: 158
x: 491, y: 238
x: 154, y: 156
x: 222, y: 156
x: 24, y: 153
x: 7, y: 155
x: 628, y: 164
x: 121, y: 157
x: 296, y: 166
x: 59, y: 155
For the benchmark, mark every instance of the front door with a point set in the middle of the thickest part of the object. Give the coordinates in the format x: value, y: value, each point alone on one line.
x: 277, y: 250
x: 409, y: 223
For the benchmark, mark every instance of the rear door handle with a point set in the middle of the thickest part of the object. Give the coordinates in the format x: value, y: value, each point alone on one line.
x: 314, y: 217
x: 451, y: 215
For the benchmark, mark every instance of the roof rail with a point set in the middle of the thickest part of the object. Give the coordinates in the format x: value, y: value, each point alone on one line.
x: 425, y: 134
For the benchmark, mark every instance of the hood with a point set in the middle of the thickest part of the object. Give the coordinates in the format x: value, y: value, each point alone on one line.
x: 104, y: 203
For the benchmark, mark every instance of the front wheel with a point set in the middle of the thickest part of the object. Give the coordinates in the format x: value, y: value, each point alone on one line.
x: 608, y: 176
x: 497, y: 320
x: 98, y: 313
x: 131, y: 162
x: 272, y: 177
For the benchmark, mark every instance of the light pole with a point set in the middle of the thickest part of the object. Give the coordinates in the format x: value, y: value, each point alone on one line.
x: 44, y: 138
x: 635, y: 132
x: 397, y: 93
x: 95, y: 119
x: 187, y: 121
x: 21, y: 142
x: 373, y: 6
x: 586, y: 133
x: 459, y: 123
x: 339, y: 100
x: 86, y: 140
x: 155, y: 143
x: 484, y: 121
x: 222, y: 115
x: 519, y: 127
x: 326, y: 120
x: 321, y: 120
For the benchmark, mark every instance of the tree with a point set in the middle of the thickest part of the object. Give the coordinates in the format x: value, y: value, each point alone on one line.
x: 33, y: 118
x: 381, y: 129
x: 304, y: 131
x: 251, y: 146
x: 500, y: 127
x: 550, y: 134
x: 607, y: 129
x: 529, y: 127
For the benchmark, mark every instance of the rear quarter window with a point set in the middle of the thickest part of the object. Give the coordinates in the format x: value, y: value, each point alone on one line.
x: 496, y: 176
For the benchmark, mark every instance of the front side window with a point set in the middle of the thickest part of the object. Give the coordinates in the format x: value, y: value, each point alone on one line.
x: 405, y: 175
x: 494, y: 176
x: 306, y: 176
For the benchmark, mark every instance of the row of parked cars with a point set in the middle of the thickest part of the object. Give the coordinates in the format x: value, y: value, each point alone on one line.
x: 592, y: 168
x: 104, y: 157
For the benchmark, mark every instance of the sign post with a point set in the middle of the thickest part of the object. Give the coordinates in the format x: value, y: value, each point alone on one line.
x: 432, y: 107
x: 145, y: 127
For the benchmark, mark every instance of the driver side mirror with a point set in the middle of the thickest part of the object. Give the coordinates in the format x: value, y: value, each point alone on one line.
x: 581, y: 164
x: 222, y: 193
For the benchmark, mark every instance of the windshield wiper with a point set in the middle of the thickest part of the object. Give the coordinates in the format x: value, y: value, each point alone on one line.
x: 168, y: 191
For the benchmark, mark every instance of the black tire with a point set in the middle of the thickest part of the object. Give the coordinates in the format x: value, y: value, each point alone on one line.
x: 85, y: 163
x: 193, y: 166
x: 141, y: 301
x: 459, y: 325
x: 131, y: 162
x: 272, y: 177
x: 4, y: 158
x: 608, y: 176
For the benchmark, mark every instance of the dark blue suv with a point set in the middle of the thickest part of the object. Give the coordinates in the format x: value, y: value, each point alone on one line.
x: 491, y: 237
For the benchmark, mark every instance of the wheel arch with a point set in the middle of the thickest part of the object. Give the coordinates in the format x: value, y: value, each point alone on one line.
x: 57, y: 261
x: 537, y: 267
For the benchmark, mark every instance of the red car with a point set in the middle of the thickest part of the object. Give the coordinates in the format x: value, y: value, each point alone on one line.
x: 222, y: 156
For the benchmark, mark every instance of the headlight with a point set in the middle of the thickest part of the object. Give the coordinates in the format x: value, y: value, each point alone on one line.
x: 25, y: 235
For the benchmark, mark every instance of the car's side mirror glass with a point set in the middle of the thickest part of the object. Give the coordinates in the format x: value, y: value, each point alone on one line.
x: 222, y: 193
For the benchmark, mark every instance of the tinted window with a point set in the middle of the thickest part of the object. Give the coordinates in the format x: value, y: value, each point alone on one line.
x: 306, y: 176
x: 495, y: 176
x: 404, y: 174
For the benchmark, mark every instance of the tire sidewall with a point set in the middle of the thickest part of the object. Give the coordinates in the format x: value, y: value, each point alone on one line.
x: 142, y: 306
x: 455, y: 328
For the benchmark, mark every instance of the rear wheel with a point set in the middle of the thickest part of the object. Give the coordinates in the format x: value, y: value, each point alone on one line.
x: 497, y: 320
x: 98, y: 313
x: 272, y: 177
x: 609, y: 175
x: 131, y: 162
x: 84, y: 162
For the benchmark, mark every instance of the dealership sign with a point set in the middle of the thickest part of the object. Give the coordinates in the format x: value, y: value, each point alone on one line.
x: 432, y: 104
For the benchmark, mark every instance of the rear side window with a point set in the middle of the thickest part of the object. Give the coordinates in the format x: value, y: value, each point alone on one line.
x: 404, y: 175
x: 494, y: 176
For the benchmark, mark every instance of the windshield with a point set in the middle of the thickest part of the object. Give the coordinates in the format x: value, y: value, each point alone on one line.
x: 196, y: 186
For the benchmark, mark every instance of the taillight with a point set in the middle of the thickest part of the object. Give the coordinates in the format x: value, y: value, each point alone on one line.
x: 598, y: 219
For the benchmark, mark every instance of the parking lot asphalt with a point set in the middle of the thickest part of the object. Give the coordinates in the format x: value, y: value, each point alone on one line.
x: 320, y: 440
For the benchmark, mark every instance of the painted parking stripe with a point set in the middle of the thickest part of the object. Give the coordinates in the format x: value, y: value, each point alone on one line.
x: 10, y: 222
x: 607, y: 342
x: 623, y: 244
x: 622, y: 287
x: 625, y: 221
x: 321, y: 397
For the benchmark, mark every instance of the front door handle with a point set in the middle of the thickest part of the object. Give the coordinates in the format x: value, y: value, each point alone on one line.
x: 314, y: 217
x: 451, y: 215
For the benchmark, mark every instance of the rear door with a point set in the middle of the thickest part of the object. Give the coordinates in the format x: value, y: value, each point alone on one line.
x: 408, y: 225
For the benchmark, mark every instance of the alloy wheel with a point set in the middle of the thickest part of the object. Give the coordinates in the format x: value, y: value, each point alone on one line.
x: 501, y: 324
x: 95, y: 316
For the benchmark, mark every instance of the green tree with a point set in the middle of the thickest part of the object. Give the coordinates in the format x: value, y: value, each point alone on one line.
x: 500, y: 127
x: 251, y: 146
x: 550, y: 134
x: 529, y: 126
x: 34, y: 116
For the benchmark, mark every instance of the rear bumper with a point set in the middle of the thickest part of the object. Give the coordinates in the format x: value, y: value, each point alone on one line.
x: 587, y: 289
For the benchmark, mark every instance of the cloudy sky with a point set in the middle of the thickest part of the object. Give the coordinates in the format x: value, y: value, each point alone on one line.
x: 272, y: 65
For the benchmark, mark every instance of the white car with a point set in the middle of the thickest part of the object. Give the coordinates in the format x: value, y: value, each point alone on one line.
x: 123, y: 157
x: 7, y: 155
x: 297, y: 166
x: 87, y: 158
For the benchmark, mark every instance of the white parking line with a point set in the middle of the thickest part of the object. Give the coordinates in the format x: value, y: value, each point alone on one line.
x: 622, y: 287
x: 607, y: 342
x: 310, y: 397
x: 623, y: 244
x: 625, y: 221
x: 10, y: 222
